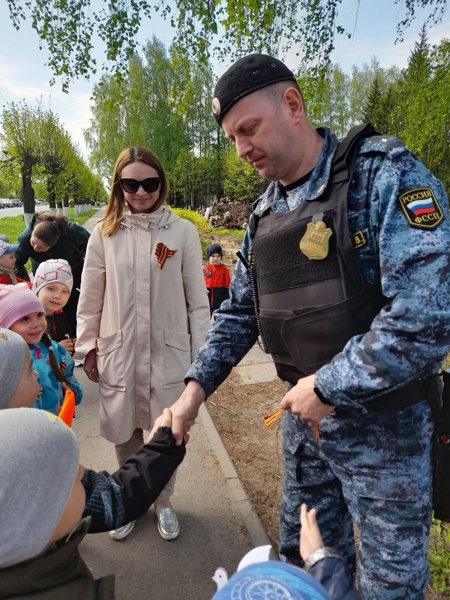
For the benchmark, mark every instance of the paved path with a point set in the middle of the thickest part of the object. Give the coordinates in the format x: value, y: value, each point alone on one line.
x: 218, y: 524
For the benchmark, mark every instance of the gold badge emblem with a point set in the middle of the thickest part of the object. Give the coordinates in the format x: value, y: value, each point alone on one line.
x: 314, y: 244
x: 216, y: 108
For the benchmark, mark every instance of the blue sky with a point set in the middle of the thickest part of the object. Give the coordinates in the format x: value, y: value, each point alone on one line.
x: 23, y: 74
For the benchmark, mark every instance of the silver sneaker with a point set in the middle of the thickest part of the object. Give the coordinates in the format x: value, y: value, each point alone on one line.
x: 168, y: 525
x: 122, y: 532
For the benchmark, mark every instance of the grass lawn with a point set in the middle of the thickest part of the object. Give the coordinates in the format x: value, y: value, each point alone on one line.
x: 13, y: 226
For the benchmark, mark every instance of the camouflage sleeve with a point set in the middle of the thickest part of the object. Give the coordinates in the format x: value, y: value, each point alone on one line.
x: 409, y: 338
x: 232, y: 334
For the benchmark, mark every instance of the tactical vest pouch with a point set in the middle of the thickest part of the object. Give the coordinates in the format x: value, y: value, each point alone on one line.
x: 441, y: 486
x: 440, y: 405
x: 307, y: 336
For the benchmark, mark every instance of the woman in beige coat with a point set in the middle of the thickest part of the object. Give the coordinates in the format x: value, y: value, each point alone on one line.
x: 143, y: 311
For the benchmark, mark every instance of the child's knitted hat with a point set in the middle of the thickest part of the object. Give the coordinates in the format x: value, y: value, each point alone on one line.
x: 12, y: 357
x: 53, y: 270
x: 38, y: 467
x: 17, y: 301
x: 281, y: 579
x: 214, y: 249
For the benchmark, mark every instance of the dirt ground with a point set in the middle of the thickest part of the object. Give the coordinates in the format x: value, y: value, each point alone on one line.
x: 238, y: 412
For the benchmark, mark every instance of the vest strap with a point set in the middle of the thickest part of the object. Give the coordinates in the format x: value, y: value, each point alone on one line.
x: 412, y: 393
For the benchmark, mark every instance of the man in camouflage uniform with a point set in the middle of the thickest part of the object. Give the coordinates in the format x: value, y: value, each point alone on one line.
x: 371, y: 462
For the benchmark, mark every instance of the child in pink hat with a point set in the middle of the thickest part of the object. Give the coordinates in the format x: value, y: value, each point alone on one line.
x: 21, y: 311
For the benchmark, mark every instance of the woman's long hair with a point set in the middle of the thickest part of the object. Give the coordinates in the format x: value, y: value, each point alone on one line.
x: 49, y: 227
x: 116, y: 205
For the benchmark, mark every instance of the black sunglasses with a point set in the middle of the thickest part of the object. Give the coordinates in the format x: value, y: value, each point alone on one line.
x: 131, y: 186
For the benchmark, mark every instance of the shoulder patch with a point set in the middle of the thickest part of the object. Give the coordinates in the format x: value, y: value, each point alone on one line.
x: 358, y: 240
x: 421, y: 208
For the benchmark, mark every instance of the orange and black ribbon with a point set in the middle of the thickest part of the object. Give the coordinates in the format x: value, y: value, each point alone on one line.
x: 162, y: 253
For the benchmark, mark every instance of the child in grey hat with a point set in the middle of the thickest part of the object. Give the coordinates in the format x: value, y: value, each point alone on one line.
x: 19, y: 385
x: 48, y: 502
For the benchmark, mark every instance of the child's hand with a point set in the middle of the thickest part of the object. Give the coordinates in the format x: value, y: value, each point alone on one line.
x: 68, y: 345
x: 90, y: 365
x: 310, y: 538
x: 165, y: 420
x: 65, y: 387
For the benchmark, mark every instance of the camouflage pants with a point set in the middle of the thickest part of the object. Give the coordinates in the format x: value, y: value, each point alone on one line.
x: 373, y: 468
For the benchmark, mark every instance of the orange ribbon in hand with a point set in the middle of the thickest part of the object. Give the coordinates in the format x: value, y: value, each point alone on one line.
x: 271, y: 419
x: 67, y: 409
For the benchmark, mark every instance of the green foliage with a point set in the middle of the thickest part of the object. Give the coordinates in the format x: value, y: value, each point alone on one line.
x: 236, y: 233
x: 68, y: 29
x: 135, y: 111
x: 439, y: 556
x: 241, y: 182
x: 198, y: 220
x: 411, y: 104
x: 275, y: 473
x: 38, y: 149
x: 83, y: 217
x: 166, y: 110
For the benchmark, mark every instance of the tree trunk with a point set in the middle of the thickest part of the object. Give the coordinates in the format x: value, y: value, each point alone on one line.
x: 51, y: 194
x: 66, y: 205
x: 27, y: 192
x: 76, y: 191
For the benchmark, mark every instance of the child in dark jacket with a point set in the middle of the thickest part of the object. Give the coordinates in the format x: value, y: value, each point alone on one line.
x: 39, y: 545
x: 217, y: 277
x: 53, y: 283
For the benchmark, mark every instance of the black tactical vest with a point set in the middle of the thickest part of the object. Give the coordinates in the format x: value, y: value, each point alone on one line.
x: 309, y: 309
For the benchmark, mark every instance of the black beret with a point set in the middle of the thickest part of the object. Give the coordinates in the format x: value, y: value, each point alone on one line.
x: 213, y: 249
x: 251, y: 73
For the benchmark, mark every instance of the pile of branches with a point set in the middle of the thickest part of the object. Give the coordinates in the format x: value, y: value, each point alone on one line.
x: 228, y: 215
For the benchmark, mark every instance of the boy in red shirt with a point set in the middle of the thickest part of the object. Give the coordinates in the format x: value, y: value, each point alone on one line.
x: 217, y: 277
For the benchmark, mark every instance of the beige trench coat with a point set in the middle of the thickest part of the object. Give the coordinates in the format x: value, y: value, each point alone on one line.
x: 147, y: 323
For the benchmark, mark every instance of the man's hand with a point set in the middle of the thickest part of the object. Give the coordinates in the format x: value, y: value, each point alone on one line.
x: 310, y: 538
x: 185, y: 409
x: 90, y: 365
x: 165, y: 420
x: 302, y: 401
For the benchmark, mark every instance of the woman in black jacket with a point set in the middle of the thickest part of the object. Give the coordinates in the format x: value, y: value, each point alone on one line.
x: 52, y: 236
